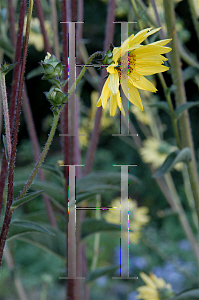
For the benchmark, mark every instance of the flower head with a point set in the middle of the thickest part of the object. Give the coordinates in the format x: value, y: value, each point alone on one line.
x: 131, y: 62
x: 155, y: 152
x: 156, y: 288
x: 138, y: 217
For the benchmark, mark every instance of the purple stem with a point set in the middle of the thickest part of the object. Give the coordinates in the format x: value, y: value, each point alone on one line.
x: 43, y: 30
x: 15, y: 82
x: 8, y: 213
x: 12, y: 22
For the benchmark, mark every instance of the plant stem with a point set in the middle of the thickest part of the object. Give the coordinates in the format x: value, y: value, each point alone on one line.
x: 42, y: 157
x: 8, y: 213
x: 55, y: 28
x: 40, y: 15
x: 97, y: 235
x: 182, y: 215
x: 6, y: 113
x: 173, y: 118
x: 193, y: 5
x: 184, y: 122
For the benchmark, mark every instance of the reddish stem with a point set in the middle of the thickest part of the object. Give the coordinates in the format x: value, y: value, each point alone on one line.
x: 8, y: 214
x: 15, y: 82
x: 12, y: 22
x: 43, y: 30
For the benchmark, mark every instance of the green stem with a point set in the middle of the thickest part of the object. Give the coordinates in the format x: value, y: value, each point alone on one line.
x: 5, y: 110
x: 53, y: 128
x: 173, y: 119
x: 180, y: 96
x: 189, y: 195
x: 42, y: 157
x: 81, y: 74
x: 97, y: 235
x: 182, y: 215
x: 195, y: 16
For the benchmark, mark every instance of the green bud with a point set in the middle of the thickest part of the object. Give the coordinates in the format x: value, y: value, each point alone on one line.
x: 52, y: 68
x: 55, y: 96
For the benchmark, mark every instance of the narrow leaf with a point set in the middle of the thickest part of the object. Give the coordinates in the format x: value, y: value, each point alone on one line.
x: 162, y: 105
x: 173, y: 158
x: 91, y: 226
x: 35, y: 72
x: 192, y: 294
x: 25, y: 199
x: 56, y: 243
x: 179, y: 111
x: 18, y: 228
x: 92, y: 275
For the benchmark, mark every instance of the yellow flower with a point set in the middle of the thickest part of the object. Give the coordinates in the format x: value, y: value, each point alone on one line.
x: 155, y: 289
x: 155, y: 152
x: 141, y: 60
x: 137, y: 218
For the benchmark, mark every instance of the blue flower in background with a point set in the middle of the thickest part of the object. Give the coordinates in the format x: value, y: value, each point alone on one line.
x: 132, y: 295
x: 138, y: 262
x: 169, y: 273
x: 184, y: 245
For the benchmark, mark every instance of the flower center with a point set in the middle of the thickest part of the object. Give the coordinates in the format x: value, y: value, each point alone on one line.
x: 126, y: 66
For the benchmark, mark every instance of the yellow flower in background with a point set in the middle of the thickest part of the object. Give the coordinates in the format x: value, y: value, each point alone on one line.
x: 141, y: 116
x: 155, y: 289
x: 36, y: 37
x: 138, y: 217
x: 155, y: 152
x: 143, y: 60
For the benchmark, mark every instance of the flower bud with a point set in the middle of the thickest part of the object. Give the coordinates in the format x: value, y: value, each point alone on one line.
x: 55, y: 96
x: 52, y: 68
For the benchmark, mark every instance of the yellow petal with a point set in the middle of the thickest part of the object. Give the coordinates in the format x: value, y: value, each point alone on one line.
x: 150, y: 69
x: 138, y: 38
x: 134, y: 97
x: 113, y: 83
x: 113, y: 104
x: 147, y: 280
x: 141, y: 82
x: 105, y: 93
x: 116, y: 54
x: 150, y: 50
x: 99, y: 103
x: 162, y: 42
x: 119, y: 103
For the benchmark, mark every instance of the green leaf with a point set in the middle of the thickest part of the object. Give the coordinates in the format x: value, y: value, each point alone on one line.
x: 56, y: 243
x: 189, y: 73
x: 51, y: 189
x: 25, y: 199
x: 192, y: 294
x: 35, y: 72
x: 90, y: 226
x: 179, y: 111
x: 18, y: 228
x: 101, y: 179
x: 162, y: 105
x: 92, y: 275
x: 7, y: 47
x: 173, y: 158
x: 55, y: 170
x: 7, y: 67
